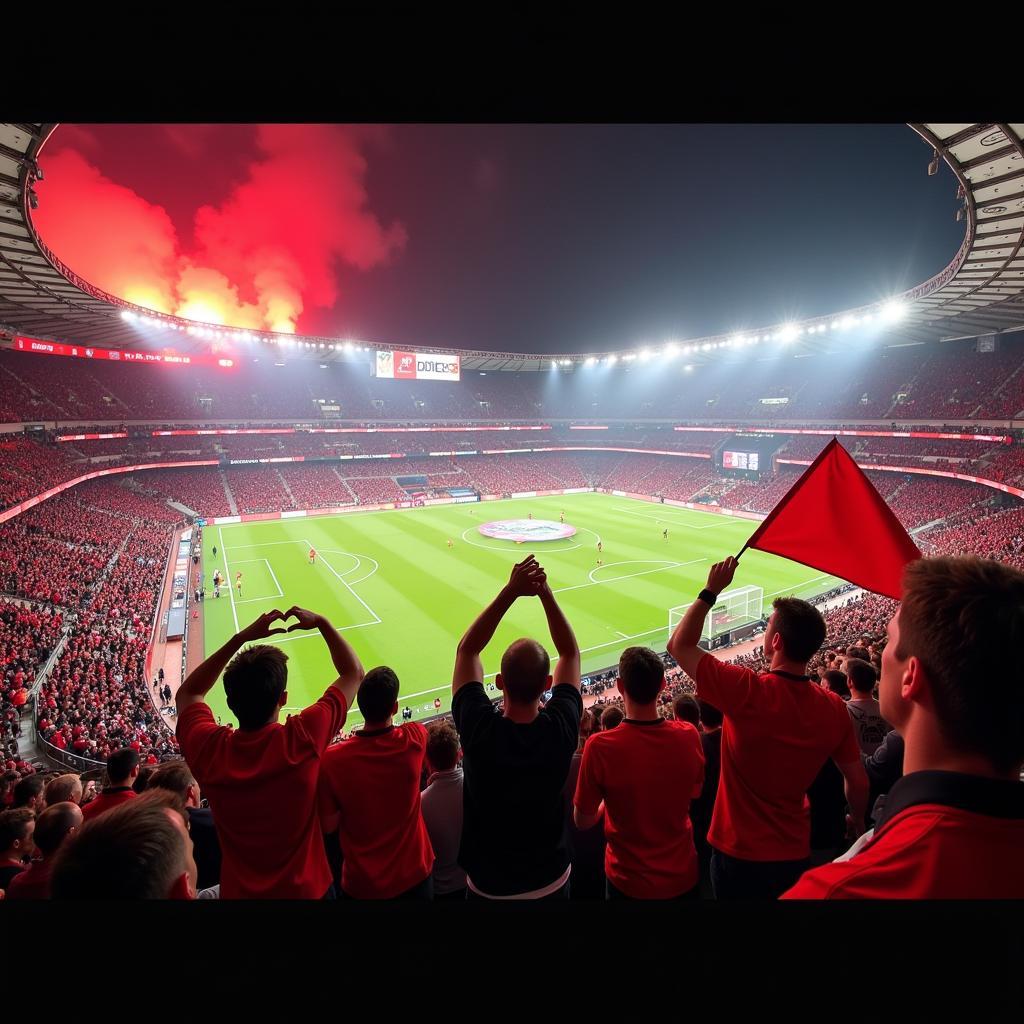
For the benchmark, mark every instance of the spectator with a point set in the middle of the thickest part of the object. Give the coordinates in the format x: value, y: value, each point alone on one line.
x: 30, y: 793
x: 8, y: 781
x: 53, y: 826
x: 587, y: 845
x: 261, y: 779
x: 826, y: 797
x: 884, y: 768
x: 835, y: 681
x: 63, y: 789
x: 122, y: 771
x: 868, y: 722
x: 641, y: 778
x: 370, y: 796
x: 779, y: 729
x: 176, y: 777
x: 953, y: 826
x: 139, y: 850
x: 441, y: 805
x: 702, y: 806
x: 610, y: 718
x: 686, y: 709
x: 513, y: 832
x: 16, y: 846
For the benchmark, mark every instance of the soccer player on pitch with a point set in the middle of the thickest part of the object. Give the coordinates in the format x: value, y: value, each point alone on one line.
x: 450, y: 544
x: 664, y: 534
x: 238, y: 583
x: 312, y: 556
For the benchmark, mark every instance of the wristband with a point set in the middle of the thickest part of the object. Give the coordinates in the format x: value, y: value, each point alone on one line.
x: 708, y: 598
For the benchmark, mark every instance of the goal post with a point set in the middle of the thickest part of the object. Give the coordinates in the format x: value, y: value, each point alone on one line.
x: 735, y: 608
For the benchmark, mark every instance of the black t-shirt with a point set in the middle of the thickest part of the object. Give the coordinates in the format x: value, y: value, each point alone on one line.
x: 702, y: 808
x: 514, y: 824
x: 8, y: 871
x: 205, y: 846
x: 827, y: 796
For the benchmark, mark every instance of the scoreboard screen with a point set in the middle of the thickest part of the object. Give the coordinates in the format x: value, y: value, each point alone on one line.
x: 740, y: 460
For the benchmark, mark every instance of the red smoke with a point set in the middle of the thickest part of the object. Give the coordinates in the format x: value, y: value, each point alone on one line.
x: 258, y: 258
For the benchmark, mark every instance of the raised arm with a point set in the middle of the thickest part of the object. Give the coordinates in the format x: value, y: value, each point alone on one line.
x: 567, y: 670
x: 346, y: 661
x: 526, y: 579
x: 683, y: 643
x: 202, y: 679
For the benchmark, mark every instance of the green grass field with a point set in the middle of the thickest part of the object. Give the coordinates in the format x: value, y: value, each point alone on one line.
x: 403, y: 598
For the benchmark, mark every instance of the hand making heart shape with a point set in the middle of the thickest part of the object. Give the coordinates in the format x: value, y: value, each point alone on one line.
x: 260, y: 629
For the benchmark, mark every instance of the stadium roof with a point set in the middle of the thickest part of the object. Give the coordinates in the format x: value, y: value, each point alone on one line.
x: 980, y: 292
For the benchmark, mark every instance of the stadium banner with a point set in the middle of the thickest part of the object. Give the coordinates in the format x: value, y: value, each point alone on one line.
x: 578, y: 490
x: 293, y: 515
x: 716, y: 509
x: 416, y: 366
x: 90, y: 437
x: 168, y: 357
x: 828, y: 432
x: 194, y: 433
x: 524, y: 494
x: 226, y: 520
x: 419, y: 430
x: 490, y: 497
x: 587, y: 428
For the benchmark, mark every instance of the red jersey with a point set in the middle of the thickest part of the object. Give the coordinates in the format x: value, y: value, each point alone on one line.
x: 779, y: 730
x: 262, y: 789
x: 106, y: 800
x: 373, y: 782
x: 33, y: 883
x: 646, y: 773
x: 943, y: 835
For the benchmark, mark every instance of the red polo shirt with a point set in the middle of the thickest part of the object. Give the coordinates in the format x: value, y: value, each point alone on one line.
x: 106, y: 800
x: 373, y: 781
x: 261, y: 785
x: 779, y: 730
x: 646, y: 773
x: 943, y: 835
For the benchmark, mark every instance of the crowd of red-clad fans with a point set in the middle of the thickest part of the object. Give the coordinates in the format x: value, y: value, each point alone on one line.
x: 874, y: 752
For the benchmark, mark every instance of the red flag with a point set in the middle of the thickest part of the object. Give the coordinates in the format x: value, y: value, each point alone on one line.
x: 834, y: 520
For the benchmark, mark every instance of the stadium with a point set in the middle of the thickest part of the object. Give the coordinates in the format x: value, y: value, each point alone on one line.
x: 167, y: 479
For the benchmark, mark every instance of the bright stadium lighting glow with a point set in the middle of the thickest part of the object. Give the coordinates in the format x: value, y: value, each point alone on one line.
x: 867, y: 318
x: 705, y: 347
x: 671, y: 349
x: 788, y: 333
x: 847, y: 322
x: 331, y: 346
x: 893, y: 311
x: 688, y: 368
x: 736, y: 339
x: 347, y: 346
x: 126, y: 314
x: 589, y: 361
x: 567, y: 362
x: 645, y: 354
x: 612, y: 360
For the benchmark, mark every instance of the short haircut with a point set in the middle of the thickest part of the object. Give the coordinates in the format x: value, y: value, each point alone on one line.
x: 610, y: 718
x: 959, y: 617
x: 377, y: 694
x: 642, y: 673
x: 686, y: 709
x: 836, y: 681
x: 141, y: 783
x: 710, y: 716
x: 861, y: 675
x: 175, y: 776
x: 131, y: 852
x: 30, y: 787
x: 442, y: 745
x: 121, y: 764
x: 801, y: 627
x: 62, y: 789
x: 254, y: 682
x: 54, y: 824
x: 14, y: 825
x: 525, y: 667
x: 857, y: 652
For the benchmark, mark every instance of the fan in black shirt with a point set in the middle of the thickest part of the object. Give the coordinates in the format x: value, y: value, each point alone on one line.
x: 516, y: 762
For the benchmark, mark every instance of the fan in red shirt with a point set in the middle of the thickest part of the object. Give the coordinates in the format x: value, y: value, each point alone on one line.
x: 261, y: 779
x: 53, y: 826
x: 953, y: 826
x: 122, y: 771
x: 645, y: 772
x: 779, y: 729
x: 370, y: 795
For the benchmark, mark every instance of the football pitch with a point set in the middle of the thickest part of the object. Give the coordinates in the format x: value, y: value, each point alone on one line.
x: 402, y: 598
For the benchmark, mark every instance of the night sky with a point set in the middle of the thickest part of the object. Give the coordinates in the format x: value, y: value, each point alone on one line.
x: 523, y: 238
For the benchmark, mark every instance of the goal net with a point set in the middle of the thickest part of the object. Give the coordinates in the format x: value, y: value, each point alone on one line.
x: 735, y: 608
